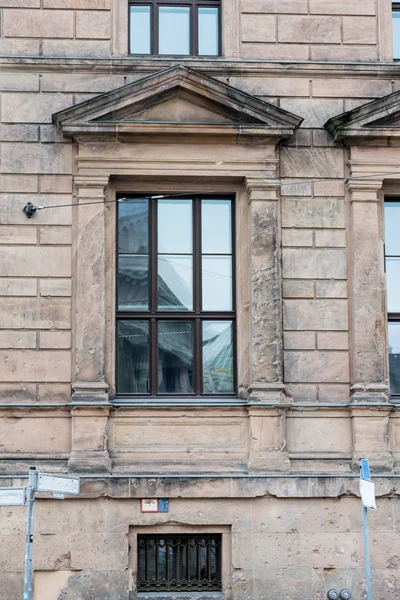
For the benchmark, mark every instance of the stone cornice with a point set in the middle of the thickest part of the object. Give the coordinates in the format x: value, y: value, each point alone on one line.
x: 229, y: 67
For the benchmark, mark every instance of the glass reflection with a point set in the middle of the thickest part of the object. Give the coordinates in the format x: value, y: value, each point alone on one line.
x: 217, y: 282
x: 175, y: 226
x: 216, y: 231
x: 140, y: 39
x: 393, y: 284
x: 133, y: 226
x: 174, y: 30
x: 217, y: 357
x: 394, y: 357
x: 175, y: 283
x: 396, y: 33
x: 133, y: 282
x: 392, y: 238
x: 133, y: 357
x: 175, y: 357
x: 208, y: 31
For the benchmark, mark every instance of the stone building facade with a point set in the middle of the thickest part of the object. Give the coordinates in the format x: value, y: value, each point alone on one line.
x: 297, y: 121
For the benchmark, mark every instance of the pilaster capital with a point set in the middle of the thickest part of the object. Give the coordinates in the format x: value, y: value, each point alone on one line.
x: 365, y: 393
x: 260, y: 188
x: 90, y: 186
x: 270, y: 393
x: 90, y: 393
x: 364, y: 190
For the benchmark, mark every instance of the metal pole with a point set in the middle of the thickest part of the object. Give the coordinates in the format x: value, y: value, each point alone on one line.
x: 367, y: 561
x: 29, y: 534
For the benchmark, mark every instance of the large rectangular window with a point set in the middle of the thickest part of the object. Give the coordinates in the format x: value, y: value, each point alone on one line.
x: 396, y: 29
x: 175, y: 296
x: 392, y: 264
x: 179, y: 563
x: 175, y: 27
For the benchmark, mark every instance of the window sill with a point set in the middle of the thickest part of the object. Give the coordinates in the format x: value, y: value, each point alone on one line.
x: 185, y: 402
x: 170, y: 595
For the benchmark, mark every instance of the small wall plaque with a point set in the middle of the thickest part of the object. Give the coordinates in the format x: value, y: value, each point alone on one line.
x: 163, y: 505
x: 149, y: 505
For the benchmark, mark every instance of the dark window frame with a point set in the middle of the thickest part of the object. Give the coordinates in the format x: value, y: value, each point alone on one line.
x: 392, y: 317
x: 194, y: 5
x: 197, y: 315
x: 395, y: 8
x: 180, y: 550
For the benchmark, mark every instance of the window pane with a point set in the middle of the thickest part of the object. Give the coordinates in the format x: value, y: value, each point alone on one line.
x: 394, y: 357
x: 217, y: 357
x: 133, y: 357
x: 133, y: 282
x: 392, y: 224
x: 396, y: 34
x: 174, y: 30
x: 140, y: 17
x: 217, y: 282
x: 133, y: 226
x: 175, y: 283
x: 208, y: 31
x: 393, y: 284
x: 216, y: 226
x: 175, y: 357
x: 175, y: 227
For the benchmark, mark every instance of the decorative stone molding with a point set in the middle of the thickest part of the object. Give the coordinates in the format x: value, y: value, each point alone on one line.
x: 370, y: 428
x: 89, y: 447
x: 368, y: 349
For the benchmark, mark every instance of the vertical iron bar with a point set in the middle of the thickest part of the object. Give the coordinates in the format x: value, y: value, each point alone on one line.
x: 168, y: 563
x: 209, y: 560
x: 367, y: 560
x: 29, y: 534
x: 198, y: 561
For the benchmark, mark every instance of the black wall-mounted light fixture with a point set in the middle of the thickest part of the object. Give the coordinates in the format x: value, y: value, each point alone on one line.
x: 29, y: 209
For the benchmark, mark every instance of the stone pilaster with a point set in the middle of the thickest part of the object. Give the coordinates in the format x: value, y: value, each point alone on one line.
x: 266, y: 354
x: 267, y: 435
x: 90, y: 405
x: 368, y: 348
x: 371, y: 437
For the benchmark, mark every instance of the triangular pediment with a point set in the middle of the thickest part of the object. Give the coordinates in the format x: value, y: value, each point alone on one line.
x: 377, y: 119
x: 177, y: 100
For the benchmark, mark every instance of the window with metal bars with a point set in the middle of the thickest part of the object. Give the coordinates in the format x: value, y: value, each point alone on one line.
x: 175, y: 27
x: 396, y: 29
x: 179, y: 563
x: 175, y: 296
x: 392, y: 267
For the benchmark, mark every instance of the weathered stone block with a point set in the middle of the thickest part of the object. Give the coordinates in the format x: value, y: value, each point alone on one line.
x: 13, y: 204
x: 333, y: 393
x: 101, y: 585
x: 99, y: 551
x: 311, y: 30
x: 17, y: 339
x: 315, y: 315
x: 314, y: 264
x: 38, y: 23
x: 303, y: 392
x: 35, y: 435
x: 300, y: 288
x: 84, y: 516
x: 55, y: 339
x: 359, y: 30
x: 331, y: 289
x: 56, y: 184
x: 312, y: 162
x: 326, y: 550
x: 81, y: 48
x: 342, y: 7
x: 17, y: 392
x: 36, y: 158
x: 344, y: 53
x: 55, y: 287
x: 307, y: 366
x: 286, y: 514
x: 15, y: 47
x: 31, y: 365
x: 78, y: 4
x: 32, y: 108
x: 40, y: 313
x: 293, y: 187
x: 19, y: 133
x: 84, y: 83
x: 274, y: 6
x: 297, y: 237
x: 11, y: 560
x: 18, y: 287
x: 314, y: 111
x: 258, y: 28
x: 14, y: 183
x: 275, y: 51
x: 51, y: 552
x: 48, y: 584
x: 334, y: 238
x: 55, y: 235
x: 93, y: 24
x: 273, y: 86
x: 38, y: 262
x: 50, y: 134
x: 299, y: 340
x: 332, y: 340
x: 19, y: 82
x: 307, y: 212
x: 329, y: 189
x: 54, y: 393
x: 18, y: 235
x: 348, y: 88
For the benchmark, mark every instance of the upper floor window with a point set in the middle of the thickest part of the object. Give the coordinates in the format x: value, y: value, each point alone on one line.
x: 396, y: 29
x: 175, y: 296
x: 392, y: 263
x: 175, y: 28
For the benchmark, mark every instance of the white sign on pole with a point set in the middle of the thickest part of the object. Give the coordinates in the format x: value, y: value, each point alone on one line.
x: 58, y: 484
x: 12, y: 496
x: 367, y: 491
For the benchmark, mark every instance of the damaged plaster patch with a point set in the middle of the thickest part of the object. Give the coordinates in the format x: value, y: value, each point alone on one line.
x: 101, y: 585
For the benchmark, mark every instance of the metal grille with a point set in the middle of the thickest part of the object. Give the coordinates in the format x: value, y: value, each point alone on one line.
x: 179, y: 562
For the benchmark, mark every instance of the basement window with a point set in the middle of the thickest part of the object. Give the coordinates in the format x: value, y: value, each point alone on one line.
x: 179, y: 563
x: 396, y: 29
